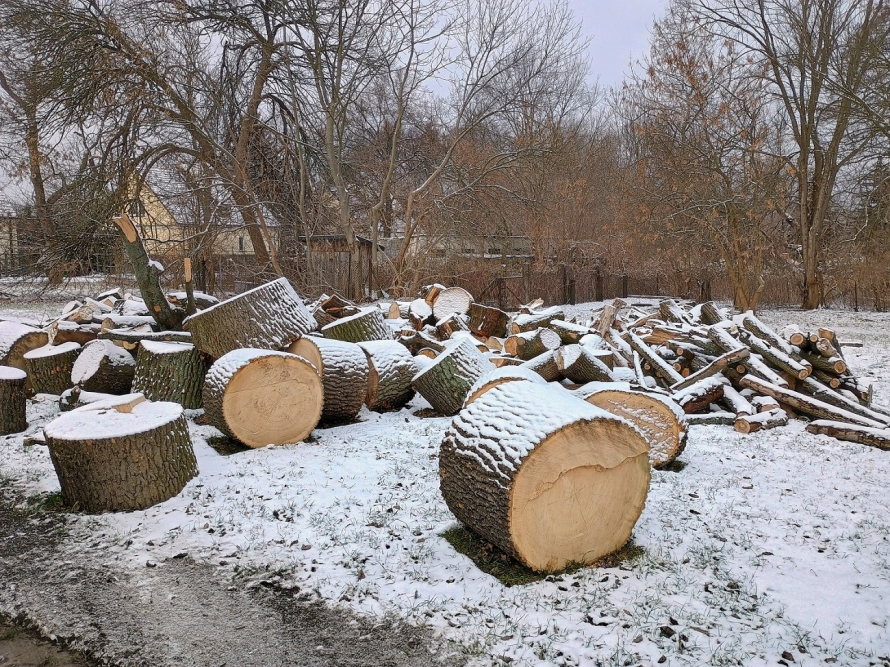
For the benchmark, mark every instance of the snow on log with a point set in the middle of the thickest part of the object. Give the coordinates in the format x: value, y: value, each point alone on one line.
x: 49, y: 367
x: 719, y: 418
x: 368, y: 324
x: 103, y: 367
x: 764, y: 332
x: 874, y: 437
x: 391, y: 368
x: 778, y: 359
x: 659, y: 366
x: 529, y: 344
x: 170, y: 372
x: 16, y: 339
x: 262, y: 397
x: 659, y: 418
x: 450, y: 301
x: 420, y: 313
x: 699, y: 396
x: 344, y: 373
x: 491, y: 379
x: 544, y: 365
x: 75, y: 397
x: 121, y: 456
x: 761, y: 421
x: 568, y: 333
x: 823, y: 393
x: 447, y: 327
x: 737, y: 403
x: 129, y: 339
x: 543, y: 475
x: 501, y: 361
x: 834, y: 365
x: 580, y: 364
x: 12, y: 400
x: 271, y: 316
x: 711, y: 313
x: 671, y: 311
x: 532, y: 321
x: 725, y: 360
x: 487, y: 321
x: 446, y: 382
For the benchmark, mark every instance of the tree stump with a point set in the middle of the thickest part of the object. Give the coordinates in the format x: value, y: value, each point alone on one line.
x: 262, y: 397
x: 391, y: 369
x: 366, y: 325
x: 271, y: 316
x: 12, y: 400
x: 103, y: 367
x: 344, y: 373
x: 451, y: 301
x: 50, y: 366
x: 446, y: 382
x: 491, y: 379
x: 170, y: 372
x: 580, y: 364
x: 543, y: 475
x: 121, y: 457
x: 487, y: 321
x: 15, y: 340
x: 660, y: 419
x: 529, y: 344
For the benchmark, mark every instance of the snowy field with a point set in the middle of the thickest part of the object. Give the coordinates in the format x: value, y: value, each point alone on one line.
x: 770, y: 548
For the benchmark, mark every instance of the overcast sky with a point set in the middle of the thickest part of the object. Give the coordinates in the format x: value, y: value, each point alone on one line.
x: 619, y: 30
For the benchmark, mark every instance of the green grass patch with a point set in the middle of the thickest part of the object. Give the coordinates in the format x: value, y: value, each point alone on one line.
x: 511, y: 572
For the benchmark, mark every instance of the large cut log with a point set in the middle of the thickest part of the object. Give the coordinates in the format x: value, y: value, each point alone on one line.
x: 16, y: 339
x: 607, y: 317
x: 419, y: 340
x: 121, y: 456
x: 806, y: 404
x: 661, y: 368
x: 448, y: 326
x: 103, y: 367
x: 12, y: 400
x: 734, y: 400
x: 529, y: 344
x: 366, y: 325
x: 491, y: 379
x: 420, y: 313
x: 569, y: 333
x: 271, y: 316
x: 874, y: 437
x: 398, y: 310
x: 545, y: 366
x: 699, y: 396
x: 391, y: 368
x: 262, y: 397
x: 344, y: 372
x: 725, y: 360
x: 659, y: 419
x: 580, y: 364
x: 446, y: 382
x: 532, y: 321
x: 671, y: 311
x: 171, y: 372
x: 49, y: 367
x: 451, y: 301
x: 711, y: 313
x: 487, y: 321
x: 761, y: 421
x: 543, y: 475
x: 68, y: 332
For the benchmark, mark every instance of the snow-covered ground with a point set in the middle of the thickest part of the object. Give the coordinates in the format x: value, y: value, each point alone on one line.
x: 767, y: 547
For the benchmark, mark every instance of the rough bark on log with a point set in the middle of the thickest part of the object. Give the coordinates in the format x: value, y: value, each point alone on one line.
x: 12, y: 400
x: 530, y: 344
x: 544, y: 476
x: 659, y: 365
x: 344, y: 373
x: 581, y: 365
x: 544, y: 365
x: 448, y: 326
x: 170, y: 372
x: 76, y: 398
x: 49, y: 367
x: 129, y: 339
x: 737, y: 403
x: 607, y: 317
x: 659, y: 419
x: 103, y: 367
x: 451, y: 301
x: 542, y: 318
x: 491, y: 379
x: 367, y: 325
x: 778, y: 359
x: 569, y: 333
x: 672, y: 312
x: 806, y: 404
x: 761, y: 421
x: 419, y: 340
x: 723, y: 361
x: 446, y: 382
x: 700, y: 395
x: 16, y: 339
x: 122, y: 458
x: 487, y: 321
x: 721, y: 418
x: 391, y: 368
x: 873, y: 437
x: 825, y: 394
x: 711, y: 313
x: 263, y: 397
x: 764, y: 332
x: 834, y: 365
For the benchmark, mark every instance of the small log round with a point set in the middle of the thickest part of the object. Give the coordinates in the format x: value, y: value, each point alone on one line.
x: 262, y: 397
x: 446, y: 382
x: 580, y: 364
x: 447, y: 327
x: 391, y: 368
x: 16, y: 339
x: 452, y: 301
x: 50, y: 366
x: 487, y: 321
x: 171, y: 372
x: 419, y: 313
x: 12, y: 400
x: 344, y: 373
x: 104, y: 367
x: 529, y: 344
x: 368, y: 324
x: 660, y: 419
x: 491, y: 379
x: 122, y: 457
x: 270, y: 316
x: 543, y: 475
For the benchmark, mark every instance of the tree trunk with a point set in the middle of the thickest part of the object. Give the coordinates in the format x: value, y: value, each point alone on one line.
x: 544, y: 476
x: 711, y: 313
x: 269, y: 316
x: 103, y: 367
x: 121, y: 459
x: 532, y: 321
x: 49, y: 367
x: 391, y: 369
x: 12, y: 400
x: 450, y: 301
x: 446, y: 382
x: 344, y: 373
x: 367, y: 325
x: 263, y: 397
x: 170, y: 372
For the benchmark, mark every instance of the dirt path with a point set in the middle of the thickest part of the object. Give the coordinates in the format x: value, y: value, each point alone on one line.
x: 179, y: 613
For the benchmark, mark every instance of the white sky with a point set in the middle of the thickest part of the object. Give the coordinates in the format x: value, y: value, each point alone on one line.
x: 619, y: 31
